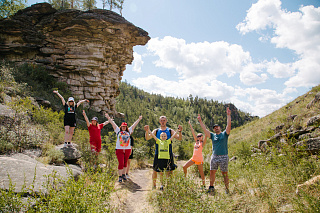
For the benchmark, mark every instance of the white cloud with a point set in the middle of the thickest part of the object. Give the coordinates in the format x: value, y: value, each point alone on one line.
x: 137, y: 62
x: 205, y: 59
x: 249, y: 77
x: 297, y: 31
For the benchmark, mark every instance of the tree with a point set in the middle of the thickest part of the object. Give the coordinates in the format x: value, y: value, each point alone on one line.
x: 89, y: 4
x: 10, y: 7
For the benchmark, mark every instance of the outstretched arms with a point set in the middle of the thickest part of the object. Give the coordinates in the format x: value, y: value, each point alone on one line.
x: 82, y: 101
x: 228, y: 129
x: 86, y: 118
x: 136, y: 123
x: 62, y: 99
x: 114, y: 125
x: 151, y: 133
x: 204, y: 128
x: 192, y: 130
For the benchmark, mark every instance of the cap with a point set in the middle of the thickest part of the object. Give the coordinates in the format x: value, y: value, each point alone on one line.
x: 199, y: 135
x: 94, y: 119
x: 124, y: 124
x: 70, y: 99
x: 215, y: 125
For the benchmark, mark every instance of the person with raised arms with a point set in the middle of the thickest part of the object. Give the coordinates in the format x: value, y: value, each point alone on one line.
x: 123, y: 147
x: 219, y: 156
x: 157, y: 132
x: 95, y: 134
x: 197, y: 157
x: 69, y: 117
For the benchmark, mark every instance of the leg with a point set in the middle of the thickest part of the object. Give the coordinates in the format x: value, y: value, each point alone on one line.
x: 212, y: 177
x: 120, y: 156
x: 200, y: 168
x: 128, y: 166
x: 154, y: 178
x: 186, y: 166
x: 161, y: 178
x: 66, y: 133
x: 71, y: 131
x: 127, y: 153
x: 226, y: 179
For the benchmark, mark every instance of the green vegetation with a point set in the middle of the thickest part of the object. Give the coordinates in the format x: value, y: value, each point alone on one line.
x: 10, y: 7
x: 264, y: 182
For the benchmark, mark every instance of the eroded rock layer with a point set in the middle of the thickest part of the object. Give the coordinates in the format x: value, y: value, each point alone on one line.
x: 86, y: 49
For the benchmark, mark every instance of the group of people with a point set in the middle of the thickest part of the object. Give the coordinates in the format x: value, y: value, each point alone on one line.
x: 163, y: 157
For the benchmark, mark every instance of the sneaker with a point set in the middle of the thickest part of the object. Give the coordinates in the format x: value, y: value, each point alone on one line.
x: 120, y: 179
x: 127, y: 176
x: 65, y: 144
x: 211, y: 189
x: 124, y: 177
x: 69, y: 144
x: 227, y: 191
x: 203, y: 187
x: 161, y: 188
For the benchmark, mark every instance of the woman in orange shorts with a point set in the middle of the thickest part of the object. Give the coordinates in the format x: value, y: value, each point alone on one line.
x: 197, y: 157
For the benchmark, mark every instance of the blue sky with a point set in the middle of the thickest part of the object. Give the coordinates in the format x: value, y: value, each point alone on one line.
x: 256, y: 54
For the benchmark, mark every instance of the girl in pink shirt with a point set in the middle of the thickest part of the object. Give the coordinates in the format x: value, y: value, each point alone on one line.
x: 197, y: 157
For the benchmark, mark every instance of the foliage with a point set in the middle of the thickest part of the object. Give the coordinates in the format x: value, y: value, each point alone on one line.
x: 10, y: 7
x: 181, y: 194
x: 65, y: 4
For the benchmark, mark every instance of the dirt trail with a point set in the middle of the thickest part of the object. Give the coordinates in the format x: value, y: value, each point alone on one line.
x: 138, y: 188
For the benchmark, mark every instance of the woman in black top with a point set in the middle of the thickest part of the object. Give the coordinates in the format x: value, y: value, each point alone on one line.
x: 69, y: 117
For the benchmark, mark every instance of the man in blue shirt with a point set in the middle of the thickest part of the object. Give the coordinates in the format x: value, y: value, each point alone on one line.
x: 219, y: 156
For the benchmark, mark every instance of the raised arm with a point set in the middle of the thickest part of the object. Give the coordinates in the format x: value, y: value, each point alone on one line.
x: 192, y: 130
x: 82, y: 101
x: 105, y: 123
x: 136, y: 123
x: 114, y: 125
x: 177, y: 134
x: 204, y: 128
x: 62, y: 99
x: 86, y: 118
x: 152, y: 135
x: 228, y: 129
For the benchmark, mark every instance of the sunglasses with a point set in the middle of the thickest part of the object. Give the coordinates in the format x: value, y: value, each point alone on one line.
x: 198, y: 136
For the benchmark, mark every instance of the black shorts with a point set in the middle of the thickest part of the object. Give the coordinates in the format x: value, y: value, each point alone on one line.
x: 159, y: 165
x: 131, y: 155
x: 70, y: 122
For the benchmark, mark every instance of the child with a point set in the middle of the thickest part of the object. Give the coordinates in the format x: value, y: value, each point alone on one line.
x: 163, y: 162
x: 69, y: 117
x: 197, y: 157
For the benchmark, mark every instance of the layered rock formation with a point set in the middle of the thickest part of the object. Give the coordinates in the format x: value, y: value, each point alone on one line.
x: 86, y: 49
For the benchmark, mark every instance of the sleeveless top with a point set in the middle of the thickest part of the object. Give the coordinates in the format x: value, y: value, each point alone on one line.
x: 197, y: 152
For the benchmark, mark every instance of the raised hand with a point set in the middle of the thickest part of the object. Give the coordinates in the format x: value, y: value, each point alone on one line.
x: 199, y: 118
x: 228, y: 111
x: 140, y: 117
x: 146, y: 128
x: 180, y: 128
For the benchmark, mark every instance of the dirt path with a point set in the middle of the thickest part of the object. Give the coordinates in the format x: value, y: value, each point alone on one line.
x: 138, y: 188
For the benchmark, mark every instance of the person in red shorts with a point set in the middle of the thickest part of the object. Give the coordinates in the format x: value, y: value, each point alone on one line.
x: 95, y: 133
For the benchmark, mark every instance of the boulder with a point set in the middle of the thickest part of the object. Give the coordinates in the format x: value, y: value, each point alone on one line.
x: 24, y: 170
x: 315, y: 120
x: 314, y: 101
x: 71, y: 153
x: 311, y: 144
x: 88, y: 50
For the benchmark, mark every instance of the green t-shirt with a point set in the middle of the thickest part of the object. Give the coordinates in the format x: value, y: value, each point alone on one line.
x: 163, y: 149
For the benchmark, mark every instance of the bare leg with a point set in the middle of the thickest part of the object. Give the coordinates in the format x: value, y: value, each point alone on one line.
x: 71, y: 131
x: 154, y: 178
x: 186, y: 166
x: 66, y: 133
x: 226, y: 179
x: 200, y: 168
x: 212, y: 177
x: 128, y: 166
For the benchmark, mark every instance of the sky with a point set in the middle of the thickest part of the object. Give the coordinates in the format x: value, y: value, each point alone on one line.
x: 257, y: 54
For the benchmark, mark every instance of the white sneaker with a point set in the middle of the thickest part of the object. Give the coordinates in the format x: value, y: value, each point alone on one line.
x: 127, y: 176
x: 65, y: 144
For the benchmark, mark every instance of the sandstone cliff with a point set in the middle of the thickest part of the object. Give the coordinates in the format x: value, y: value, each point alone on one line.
x: 86, y: 49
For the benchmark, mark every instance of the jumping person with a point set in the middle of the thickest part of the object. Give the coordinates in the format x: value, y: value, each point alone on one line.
x: 69, y: 117
x: 95, y: 134
x: 157, y: 132
x: 123, y: 147
x: 219, y: 156
x: 163, y: 156
x: 197, y: 157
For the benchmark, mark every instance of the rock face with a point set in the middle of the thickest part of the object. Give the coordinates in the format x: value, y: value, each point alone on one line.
x: 22, y: 168
x: 86, y: 49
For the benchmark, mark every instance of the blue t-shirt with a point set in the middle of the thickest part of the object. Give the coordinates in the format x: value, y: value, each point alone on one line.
x: 219, y: 143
